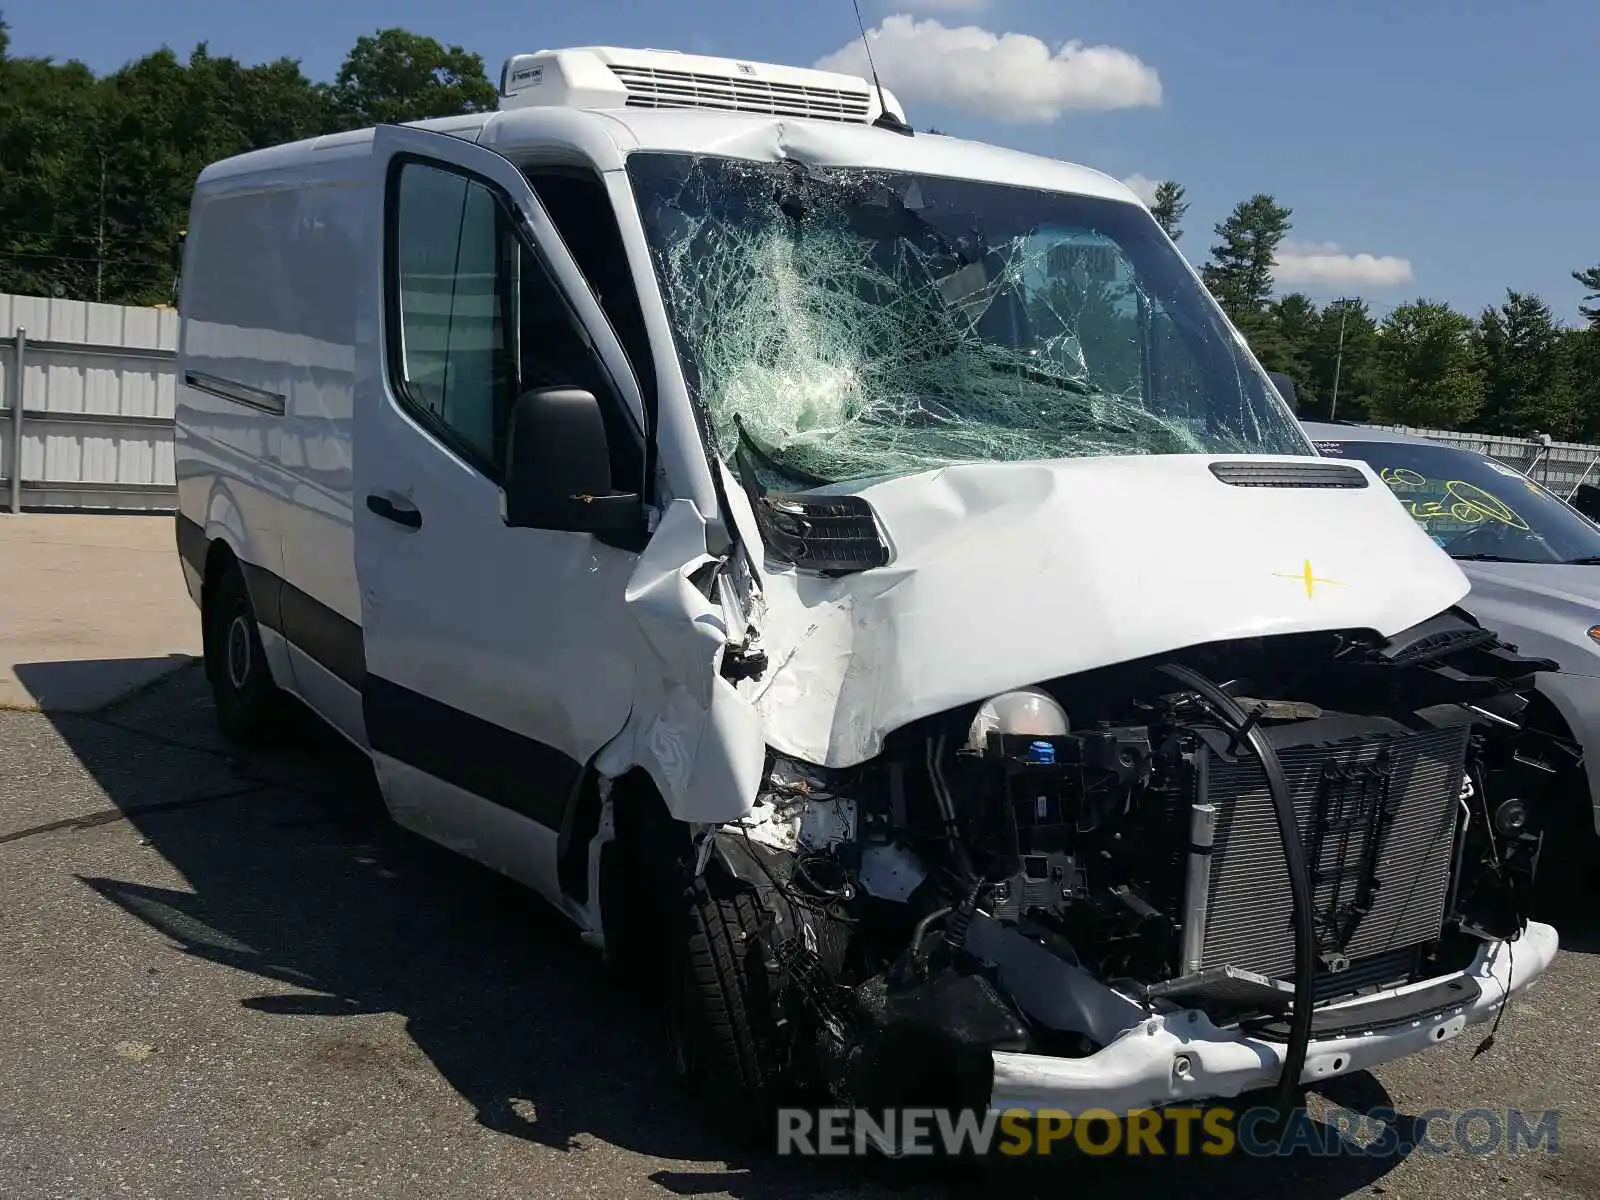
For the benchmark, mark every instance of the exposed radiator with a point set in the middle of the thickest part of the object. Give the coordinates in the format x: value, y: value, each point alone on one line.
x: 1377, y: 815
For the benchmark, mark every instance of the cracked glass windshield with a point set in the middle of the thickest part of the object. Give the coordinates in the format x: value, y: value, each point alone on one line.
x: 844, y: 324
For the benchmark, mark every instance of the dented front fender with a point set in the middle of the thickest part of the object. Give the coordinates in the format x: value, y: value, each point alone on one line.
x: 690, y: 731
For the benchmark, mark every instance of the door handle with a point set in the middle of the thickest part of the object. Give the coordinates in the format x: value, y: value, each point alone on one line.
x: 400, y: 512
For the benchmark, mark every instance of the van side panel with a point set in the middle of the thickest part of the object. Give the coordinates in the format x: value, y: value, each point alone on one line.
x: 273, y: 289
x: 227, y: 400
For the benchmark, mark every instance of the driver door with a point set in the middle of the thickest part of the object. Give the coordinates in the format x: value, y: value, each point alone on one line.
x: 498, y: 659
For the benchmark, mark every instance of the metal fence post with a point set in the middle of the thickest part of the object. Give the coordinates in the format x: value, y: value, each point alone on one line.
x: 18, y: 357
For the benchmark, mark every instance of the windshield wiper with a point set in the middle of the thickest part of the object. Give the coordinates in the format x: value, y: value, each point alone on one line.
x: 1009, y: 366
x: 1587, y: 560
x: 1488, y: 558
x: 750, y: 449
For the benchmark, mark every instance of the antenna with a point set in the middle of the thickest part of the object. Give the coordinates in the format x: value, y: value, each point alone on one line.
x: 886, y: 120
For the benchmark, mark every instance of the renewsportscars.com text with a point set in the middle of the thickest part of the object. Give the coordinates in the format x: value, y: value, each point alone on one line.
x: 1213, y: 1131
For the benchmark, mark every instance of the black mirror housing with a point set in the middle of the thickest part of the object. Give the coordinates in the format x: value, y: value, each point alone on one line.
x: 1586, y: 499
x: 558, y: 470
x: 1285, y: 387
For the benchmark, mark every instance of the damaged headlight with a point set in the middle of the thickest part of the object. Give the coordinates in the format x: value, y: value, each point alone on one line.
x: 1027, y: 712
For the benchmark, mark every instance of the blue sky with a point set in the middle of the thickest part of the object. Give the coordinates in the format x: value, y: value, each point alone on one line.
x: 1427, y: 147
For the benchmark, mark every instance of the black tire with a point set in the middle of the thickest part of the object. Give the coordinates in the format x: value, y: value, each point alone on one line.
x: 692, y: 948
x: 249, y: 705
x: 720, y: 1019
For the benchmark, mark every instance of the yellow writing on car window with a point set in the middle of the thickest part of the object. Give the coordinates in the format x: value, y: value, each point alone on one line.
x: 1399, y: 477
x: 1462, y: 502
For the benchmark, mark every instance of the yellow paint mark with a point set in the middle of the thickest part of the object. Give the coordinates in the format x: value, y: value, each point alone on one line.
x: 1309, y: 578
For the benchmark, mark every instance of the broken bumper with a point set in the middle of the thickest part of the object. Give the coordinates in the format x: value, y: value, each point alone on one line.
x: 1182, y: 1057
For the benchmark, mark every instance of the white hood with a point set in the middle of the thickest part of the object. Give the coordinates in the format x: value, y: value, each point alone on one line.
x: 1014, y: 573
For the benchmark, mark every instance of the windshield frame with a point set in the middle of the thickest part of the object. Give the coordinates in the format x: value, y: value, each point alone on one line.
x: 1570, y: 537
x: 1266, y: 424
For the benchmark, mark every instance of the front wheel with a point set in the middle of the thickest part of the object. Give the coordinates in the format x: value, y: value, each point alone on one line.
x: 721, y: 1026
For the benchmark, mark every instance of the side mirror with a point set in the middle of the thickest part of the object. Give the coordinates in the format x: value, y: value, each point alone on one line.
x: 1285, y: 387
x: 1587, y: 501
x: 558, y: 470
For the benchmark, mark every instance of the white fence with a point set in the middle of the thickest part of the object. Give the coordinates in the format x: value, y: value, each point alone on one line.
x: 89, y: 392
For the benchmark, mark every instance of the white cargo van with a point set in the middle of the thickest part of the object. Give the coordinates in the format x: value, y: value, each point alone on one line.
x: 863, y: 580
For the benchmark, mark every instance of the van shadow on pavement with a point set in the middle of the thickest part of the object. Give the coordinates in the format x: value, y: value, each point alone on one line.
x: 298, y: 878
x: 83, y: 685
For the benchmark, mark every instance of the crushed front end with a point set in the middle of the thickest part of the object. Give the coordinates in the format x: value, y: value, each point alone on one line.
x: 1251, y: 864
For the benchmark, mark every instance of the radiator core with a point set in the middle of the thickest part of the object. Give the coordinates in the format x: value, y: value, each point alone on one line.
x: 1381, y: 808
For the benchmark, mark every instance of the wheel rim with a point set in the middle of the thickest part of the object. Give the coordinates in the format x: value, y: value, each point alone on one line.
x: 239, y: 651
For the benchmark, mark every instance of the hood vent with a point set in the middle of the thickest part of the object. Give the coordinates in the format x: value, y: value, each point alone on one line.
x: 1289, y: 475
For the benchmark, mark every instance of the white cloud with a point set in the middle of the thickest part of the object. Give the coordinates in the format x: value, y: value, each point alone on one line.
x: 1143, y: 187
x: 943, y: 6
x: 1007, y: 76
x: 1322, y: 263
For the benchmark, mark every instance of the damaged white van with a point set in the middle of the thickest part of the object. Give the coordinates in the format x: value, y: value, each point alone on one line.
x: 863, y: 580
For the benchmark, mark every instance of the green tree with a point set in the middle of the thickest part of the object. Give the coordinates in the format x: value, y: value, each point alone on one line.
x: 1427, y: 368
x: 1525, y: 391
x: 47, y: 113
x: 1240, y: 271
x: 394, y: 75
x: 1294, y: 321
x: 159, y: 122
x: 1340, y: 356
x: 1169, y: 208
x: 1578, y: 354
x: 1590, y: 279
x: 1577, y: 372
x: 98, y: 172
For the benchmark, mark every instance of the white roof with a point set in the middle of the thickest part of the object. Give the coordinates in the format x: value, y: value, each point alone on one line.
x: 819, y: 143
x: 606, y: 137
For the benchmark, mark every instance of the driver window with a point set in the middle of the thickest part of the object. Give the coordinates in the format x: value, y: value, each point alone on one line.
x: 452, y: 369
x: 476, y: 320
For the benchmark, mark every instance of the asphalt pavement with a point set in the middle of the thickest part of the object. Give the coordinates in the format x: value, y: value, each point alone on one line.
x: 229, y: 977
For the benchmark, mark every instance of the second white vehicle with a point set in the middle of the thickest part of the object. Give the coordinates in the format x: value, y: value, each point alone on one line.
x: 862, y: 579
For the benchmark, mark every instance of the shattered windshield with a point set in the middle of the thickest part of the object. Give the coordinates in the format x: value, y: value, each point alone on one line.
x: 839, y: 324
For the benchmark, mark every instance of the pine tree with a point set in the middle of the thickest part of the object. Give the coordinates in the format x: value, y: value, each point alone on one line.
x: 1169, y: 208
x: 1590, y: 280
x: 1524, y: 390
x: 1427, y: 368
x: 1240, y: 272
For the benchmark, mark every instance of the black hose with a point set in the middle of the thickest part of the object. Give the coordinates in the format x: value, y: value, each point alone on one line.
x: 961, y: 918
x: 1230, y: 711
x: 920, y: 933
